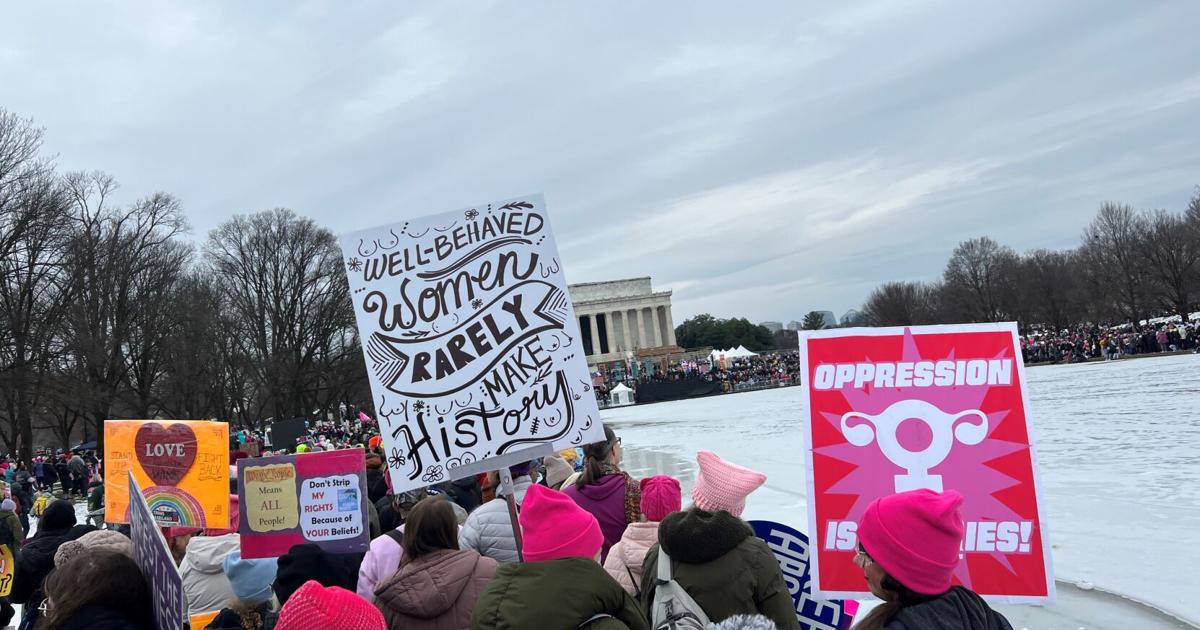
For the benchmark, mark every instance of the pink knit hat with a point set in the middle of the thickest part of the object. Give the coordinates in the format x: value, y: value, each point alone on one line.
x: 915, y: 536
x: 316, y: 606
x: 660, y: 496
x: 554, y: 527
x: 723, y: 485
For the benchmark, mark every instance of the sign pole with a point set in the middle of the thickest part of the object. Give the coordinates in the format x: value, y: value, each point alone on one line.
x: 510, y: 496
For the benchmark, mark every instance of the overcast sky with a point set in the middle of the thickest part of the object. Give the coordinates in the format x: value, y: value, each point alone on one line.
x: 760, y: 159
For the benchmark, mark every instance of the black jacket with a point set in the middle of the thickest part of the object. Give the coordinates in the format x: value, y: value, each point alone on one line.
x: 35, y: 562
x: 101, y: 618
x: 229, y: 619
x: 957, y: 608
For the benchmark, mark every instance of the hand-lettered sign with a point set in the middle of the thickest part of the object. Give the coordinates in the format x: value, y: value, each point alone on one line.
x: 890, y: 410
x: 182, y: 467
x: 7, y: 570
x: 295, y: 499
x: 470, y: 338
x: 792, y: 551
x: 152, y: 556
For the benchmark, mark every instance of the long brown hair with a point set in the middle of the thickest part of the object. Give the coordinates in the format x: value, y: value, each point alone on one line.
x: 98, y: 578
x: 431, y: 526
x: 595, y: 455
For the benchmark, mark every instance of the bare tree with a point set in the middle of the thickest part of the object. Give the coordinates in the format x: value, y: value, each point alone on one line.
x: 284, y: 289
x: 34, y: 283
x: 902, y: 304
x: 1049, y: 284
x: 1171, y: 250
x: 1113, y: 260
x: 119, y: 260
x: 980, y: 280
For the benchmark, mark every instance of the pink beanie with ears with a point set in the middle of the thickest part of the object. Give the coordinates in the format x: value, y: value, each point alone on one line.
x: 553, y: 527
x: 915, y: 536
x: 722, y: 485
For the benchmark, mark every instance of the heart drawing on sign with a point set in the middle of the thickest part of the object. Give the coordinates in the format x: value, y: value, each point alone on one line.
x: 165, y: 453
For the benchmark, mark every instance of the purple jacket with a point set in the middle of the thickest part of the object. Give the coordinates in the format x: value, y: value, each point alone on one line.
x: 605, y: 500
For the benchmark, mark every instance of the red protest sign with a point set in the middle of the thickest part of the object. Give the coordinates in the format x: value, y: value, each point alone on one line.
x: 941, y: 407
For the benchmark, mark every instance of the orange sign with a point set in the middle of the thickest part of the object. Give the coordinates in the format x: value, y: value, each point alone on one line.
x: 182, y: 467
x: 201, y: 621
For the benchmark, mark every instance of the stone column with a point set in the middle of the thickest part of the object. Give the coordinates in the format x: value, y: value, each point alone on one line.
x: 626, y: 338
x: 645, y: 330
x: 595, y: 330
x: 657, y: 336
x: 670, y: 322
x: 635, y: 331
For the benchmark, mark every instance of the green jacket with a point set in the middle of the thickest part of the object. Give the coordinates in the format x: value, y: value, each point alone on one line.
x: 720, y: 563
x: 10, y: 520
x: 559, y: 594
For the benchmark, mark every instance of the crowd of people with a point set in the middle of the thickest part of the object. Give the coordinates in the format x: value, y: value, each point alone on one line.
x: 596, y: 549
x: 775, y: 368
x: 1089, y: 342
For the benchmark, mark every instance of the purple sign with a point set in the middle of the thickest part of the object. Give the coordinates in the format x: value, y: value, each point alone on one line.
x: 152, y: 556
x: 791, y: 550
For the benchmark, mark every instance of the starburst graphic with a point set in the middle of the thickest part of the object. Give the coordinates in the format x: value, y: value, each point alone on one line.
x: 965, y: 469
x: 354, y: 264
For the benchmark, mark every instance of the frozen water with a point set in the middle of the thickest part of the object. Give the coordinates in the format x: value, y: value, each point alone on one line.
x: 1116, y: 444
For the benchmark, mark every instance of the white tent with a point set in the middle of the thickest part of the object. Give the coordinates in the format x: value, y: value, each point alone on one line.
x: 620, y: 395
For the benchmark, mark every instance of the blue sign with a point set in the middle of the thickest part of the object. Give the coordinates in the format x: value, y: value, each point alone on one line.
x: 791, y: 550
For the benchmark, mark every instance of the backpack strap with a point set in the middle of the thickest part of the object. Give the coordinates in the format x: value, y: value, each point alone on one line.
x: 664, y: 566
x: 637, y: 589
x: 397, y: 536
x: 594, y: 618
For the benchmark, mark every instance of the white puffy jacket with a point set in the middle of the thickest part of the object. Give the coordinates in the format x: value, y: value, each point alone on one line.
x: 488, y: 529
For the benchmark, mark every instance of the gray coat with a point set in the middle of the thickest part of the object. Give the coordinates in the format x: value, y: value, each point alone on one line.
x: 488, y: 529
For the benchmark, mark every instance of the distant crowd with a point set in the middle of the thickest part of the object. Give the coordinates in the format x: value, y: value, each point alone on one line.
x: 1087, y: 342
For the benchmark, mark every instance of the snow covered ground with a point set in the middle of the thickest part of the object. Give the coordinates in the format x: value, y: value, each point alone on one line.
x: 1117, y: 444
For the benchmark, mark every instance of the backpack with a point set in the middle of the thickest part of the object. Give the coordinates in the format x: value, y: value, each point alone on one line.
x: 673, y: 608
x: 39, y: 506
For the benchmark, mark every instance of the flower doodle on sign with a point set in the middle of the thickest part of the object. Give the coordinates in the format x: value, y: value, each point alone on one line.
x: 397, y: 459
x: 471, y: 214
x: 433, y: 474
x: 477, y: 304
x: 354, y: 264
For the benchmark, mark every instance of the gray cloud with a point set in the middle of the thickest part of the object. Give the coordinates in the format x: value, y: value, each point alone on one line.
x: 761, y: 160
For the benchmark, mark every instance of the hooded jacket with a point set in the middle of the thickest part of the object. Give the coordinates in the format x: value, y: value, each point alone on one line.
x: 437, y: 591
x: 488, y: 529
x: 203, y: 569
x: 956, y: 608
x: 558, y: 594
x: 606, y: 499
x: 36, y: 559
x: 377, y: 487
x: 720, y: 563
x: 624, y: 562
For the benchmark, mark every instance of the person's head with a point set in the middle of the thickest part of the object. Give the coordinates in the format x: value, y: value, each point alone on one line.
x: 524, y: 469
x: 910, y: 542
x: 317, y: 606
x: 92, y: 541
x: 404, y: 502
x: 100, y: 578
x: 553, y: 527
x: 59, y: 515
x: 178, y: 539
x: 431, y: 526
x: 722, y: 485
x: 251, y: 580
x: 8, y: 505
x: 308, y: 562
x: 661, y: 496
x: 596, y: 455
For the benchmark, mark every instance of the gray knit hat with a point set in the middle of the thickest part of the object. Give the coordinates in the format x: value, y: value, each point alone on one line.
x: 108, y: 539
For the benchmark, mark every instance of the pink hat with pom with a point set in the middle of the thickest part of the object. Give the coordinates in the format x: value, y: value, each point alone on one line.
x: 553, y: 527
x: 722, y: 485
x: 915, y: 536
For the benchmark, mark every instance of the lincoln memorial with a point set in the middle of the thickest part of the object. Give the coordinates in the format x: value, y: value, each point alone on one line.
x: 623, y: 316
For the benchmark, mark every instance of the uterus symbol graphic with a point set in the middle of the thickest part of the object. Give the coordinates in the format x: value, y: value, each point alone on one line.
x: 946, y: 428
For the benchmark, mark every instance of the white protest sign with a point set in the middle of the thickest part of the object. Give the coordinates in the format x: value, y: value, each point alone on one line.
x: 329, y: 508
x: 471, y: 343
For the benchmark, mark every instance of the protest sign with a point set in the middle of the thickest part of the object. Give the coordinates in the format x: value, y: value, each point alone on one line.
x: 940, y: 407
x: 7, y: 568
x: 182, y: 467
x: 792, y: 551
x: 470, y: 339
x: 201, y: 621
x: 286, y: 434
x: 152, y: 556
x: 295, y: 499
